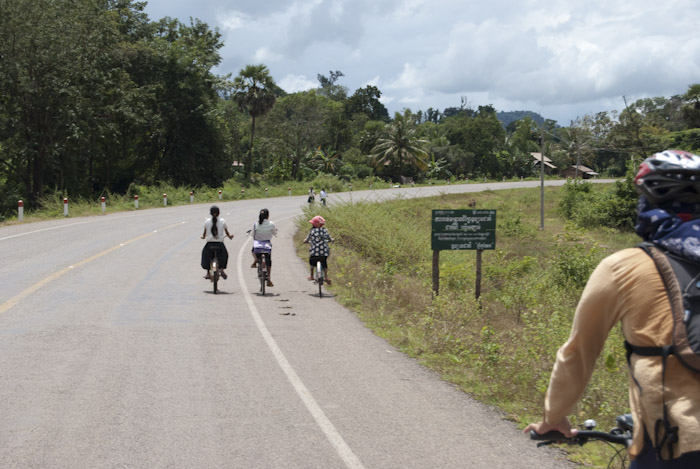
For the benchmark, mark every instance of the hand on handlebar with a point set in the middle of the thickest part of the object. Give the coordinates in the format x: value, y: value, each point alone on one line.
x: 564, y: 427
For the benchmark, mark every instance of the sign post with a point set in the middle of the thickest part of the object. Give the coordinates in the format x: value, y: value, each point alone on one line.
x: 455, y: 230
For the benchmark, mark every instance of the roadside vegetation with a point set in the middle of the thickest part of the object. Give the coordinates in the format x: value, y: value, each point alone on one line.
x: 499, y: 349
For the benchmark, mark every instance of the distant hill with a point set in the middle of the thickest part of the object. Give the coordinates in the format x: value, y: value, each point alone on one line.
x: 512, y: 116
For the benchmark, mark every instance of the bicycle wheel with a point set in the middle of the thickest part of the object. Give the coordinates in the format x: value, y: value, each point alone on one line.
x: 215, y: 275
x: 319, y: 278
x: 263, y: 273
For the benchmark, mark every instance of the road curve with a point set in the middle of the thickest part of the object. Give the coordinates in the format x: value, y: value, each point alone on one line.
x: 115, y: 353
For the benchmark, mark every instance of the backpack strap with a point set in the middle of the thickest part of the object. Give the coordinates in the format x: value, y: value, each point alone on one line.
x: 665, y: 434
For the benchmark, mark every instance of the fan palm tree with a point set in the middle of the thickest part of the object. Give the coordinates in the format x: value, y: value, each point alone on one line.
x: 254, y: 92
x: 400, y: 146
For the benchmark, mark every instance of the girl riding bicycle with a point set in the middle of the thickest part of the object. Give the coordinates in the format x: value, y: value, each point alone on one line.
x: 318, y: 239
x: 263, y: 231
x: 214, y: 229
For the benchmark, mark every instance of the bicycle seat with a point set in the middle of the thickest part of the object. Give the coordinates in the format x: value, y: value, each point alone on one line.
x: 214, y: 248
x: 625, y: 421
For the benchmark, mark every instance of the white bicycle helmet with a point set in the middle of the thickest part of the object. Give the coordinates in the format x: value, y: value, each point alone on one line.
x: 671, y: 175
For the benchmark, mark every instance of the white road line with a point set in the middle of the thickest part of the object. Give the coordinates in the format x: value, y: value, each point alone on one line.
x: 341, y: 447
x: 93, y: 219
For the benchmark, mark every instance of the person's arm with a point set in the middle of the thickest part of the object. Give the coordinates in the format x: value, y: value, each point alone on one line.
x: 230, y: 236
x: 306, y: 240
x: 596, y: 313
x: 204, y: 235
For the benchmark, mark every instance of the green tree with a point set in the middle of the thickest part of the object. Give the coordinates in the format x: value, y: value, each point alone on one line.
x: 480, y: 138
x: 56, y: 64
x: 366, y: 101
x: 329, y: 86
x: 188, y: 146
x: 254, y: 91
x: 297, y: 125
x: 691, y: 110
x: 400, y: 146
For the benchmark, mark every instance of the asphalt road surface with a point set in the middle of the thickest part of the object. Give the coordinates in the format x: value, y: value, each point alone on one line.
x: 115, y: 353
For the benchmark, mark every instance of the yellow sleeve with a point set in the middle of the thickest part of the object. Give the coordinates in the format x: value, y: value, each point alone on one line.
x: 597, y: 312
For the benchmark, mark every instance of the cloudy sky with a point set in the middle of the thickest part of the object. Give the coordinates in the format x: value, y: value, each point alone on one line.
x: 560, y: 58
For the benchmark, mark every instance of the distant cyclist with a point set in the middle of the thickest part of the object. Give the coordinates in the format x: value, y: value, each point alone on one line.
x: 318, y: 239
x: 263, y: 231
x: 214, y: 229
x: 626, y: 287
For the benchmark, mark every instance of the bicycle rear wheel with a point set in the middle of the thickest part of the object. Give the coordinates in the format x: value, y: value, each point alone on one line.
x: 215, y: 275
x: 263, y: 273
x: 319, y: 278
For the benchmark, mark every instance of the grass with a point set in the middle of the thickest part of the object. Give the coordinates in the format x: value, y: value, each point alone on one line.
x: 501, y: 348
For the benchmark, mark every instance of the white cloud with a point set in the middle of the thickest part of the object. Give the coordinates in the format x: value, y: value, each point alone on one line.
x: 265, y: 55
x: 232, y: 20
x: 374, y: 81
x: 296, y: 83
x: 563, y: 57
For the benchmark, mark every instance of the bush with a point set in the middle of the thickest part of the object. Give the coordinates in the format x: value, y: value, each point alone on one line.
x: 614, y: 207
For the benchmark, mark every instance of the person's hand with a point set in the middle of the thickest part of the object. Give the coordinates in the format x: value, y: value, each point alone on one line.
x: 564, y: 427
x: 230, y: 236
x: 203, y: 236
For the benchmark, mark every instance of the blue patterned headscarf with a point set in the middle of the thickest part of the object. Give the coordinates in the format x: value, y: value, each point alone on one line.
x: 671, y: 227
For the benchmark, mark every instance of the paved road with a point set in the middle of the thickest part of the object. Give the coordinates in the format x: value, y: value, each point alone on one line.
x: 115, y: 353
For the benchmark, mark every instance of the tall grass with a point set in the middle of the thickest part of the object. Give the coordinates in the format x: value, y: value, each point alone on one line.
x: 500, y: 348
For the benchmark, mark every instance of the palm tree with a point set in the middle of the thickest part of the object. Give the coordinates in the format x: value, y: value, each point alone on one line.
x: 401, y: 145
x: 254, y: 92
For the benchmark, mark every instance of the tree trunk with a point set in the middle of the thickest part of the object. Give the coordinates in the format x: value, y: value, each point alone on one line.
x: 249, y: 159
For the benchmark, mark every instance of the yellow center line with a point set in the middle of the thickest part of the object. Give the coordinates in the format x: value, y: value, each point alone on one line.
x: 25, y: 293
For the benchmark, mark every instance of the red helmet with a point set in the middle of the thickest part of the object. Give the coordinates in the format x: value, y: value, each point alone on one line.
x: 672, y: 175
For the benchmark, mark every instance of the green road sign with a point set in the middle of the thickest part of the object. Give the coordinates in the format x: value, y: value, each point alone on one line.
x: 463, y: 229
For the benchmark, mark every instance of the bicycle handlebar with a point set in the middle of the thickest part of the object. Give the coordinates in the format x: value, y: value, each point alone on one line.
x: 581, y: 438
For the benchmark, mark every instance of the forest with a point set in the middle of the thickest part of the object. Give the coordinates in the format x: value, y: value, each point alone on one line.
x: 97, y: 97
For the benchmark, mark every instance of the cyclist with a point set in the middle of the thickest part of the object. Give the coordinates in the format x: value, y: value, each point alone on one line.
x: 627, y: 287
x: 263, y: 231
x: 318, y: 239
x: 214, y: 229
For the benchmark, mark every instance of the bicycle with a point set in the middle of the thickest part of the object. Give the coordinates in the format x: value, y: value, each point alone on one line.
x: 215, y: 271
x: 262, y: 251
x: 263, y: 261
x: 620, y: 435
x: 319, y: 278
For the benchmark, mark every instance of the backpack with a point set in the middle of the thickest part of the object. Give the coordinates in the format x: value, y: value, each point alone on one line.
x: 681, y: 278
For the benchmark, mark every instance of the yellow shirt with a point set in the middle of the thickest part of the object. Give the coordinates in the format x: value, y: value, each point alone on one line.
x: 627, y: 287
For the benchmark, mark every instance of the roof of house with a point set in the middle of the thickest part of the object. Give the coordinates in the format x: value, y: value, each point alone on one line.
x: 583, y: 169
x: 538, y: 157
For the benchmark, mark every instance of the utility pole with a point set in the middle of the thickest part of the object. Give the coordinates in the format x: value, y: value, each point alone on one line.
x: 542, y: 177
